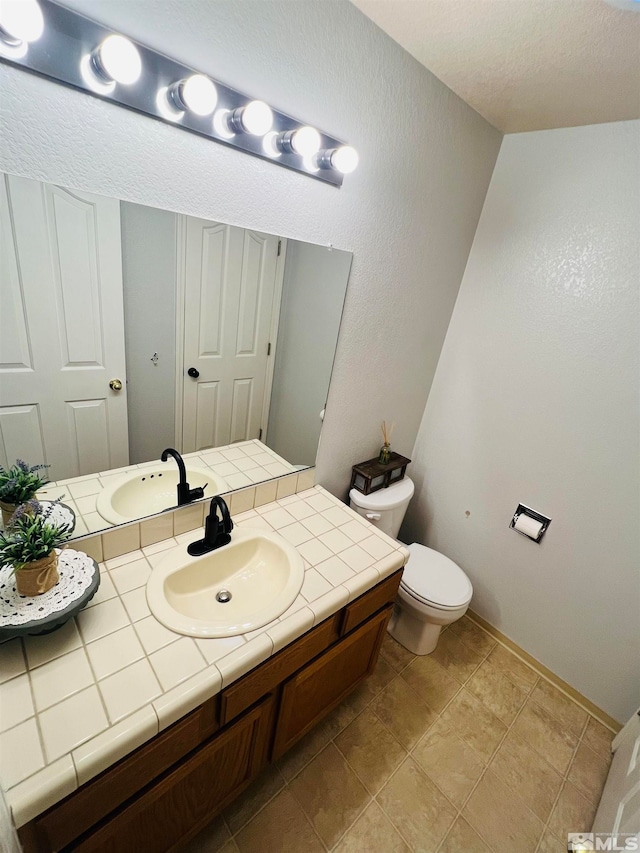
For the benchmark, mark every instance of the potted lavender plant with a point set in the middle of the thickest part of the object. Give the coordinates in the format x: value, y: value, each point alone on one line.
x: 28, y: 545
x: 18, y: 485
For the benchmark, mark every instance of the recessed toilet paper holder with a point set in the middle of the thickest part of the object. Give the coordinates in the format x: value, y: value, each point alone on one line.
x: 532, y: 531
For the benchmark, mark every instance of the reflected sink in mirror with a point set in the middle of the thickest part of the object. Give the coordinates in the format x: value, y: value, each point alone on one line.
x: 180, y: 332
x: 237, y: 588
x: 152, y: 490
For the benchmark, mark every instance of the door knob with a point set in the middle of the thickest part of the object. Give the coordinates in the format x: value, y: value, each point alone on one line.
x: 115, y: 385
x: 193, y: 373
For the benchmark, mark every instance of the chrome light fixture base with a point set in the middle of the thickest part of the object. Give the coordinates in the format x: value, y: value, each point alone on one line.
x: 69, y: 45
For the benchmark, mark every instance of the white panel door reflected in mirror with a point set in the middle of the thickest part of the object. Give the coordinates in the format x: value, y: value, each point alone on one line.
x: 127, y: 329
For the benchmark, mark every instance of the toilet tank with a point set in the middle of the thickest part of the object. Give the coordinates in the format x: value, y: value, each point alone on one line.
x: 386, y: 507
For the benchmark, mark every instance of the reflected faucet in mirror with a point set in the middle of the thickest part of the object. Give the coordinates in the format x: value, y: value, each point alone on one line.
x: 217, y: 531
x: 186, y: 495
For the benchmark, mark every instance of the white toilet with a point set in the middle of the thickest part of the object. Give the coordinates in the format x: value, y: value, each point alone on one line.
x: 434, y: 591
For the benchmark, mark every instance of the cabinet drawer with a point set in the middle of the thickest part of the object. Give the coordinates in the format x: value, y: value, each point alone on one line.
x: 273, y: 672
x: 324, y: 683
x: 58, y: 827
x: 371, y: 602
x: 173, y: 810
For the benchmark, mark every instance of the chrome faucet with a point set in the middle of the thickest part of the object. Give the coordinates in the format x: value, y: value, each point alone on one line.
x: 217, y: 530
x: 185, y: 494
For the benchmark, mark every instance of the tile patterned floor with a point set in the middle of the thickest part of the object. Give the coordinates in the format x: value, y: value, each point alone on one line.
x: 466, y: 750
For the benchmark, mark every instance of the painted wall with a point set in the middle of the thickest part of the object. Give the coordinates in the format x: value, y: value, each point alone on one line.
x: 408, y: 213
x: 149, y: 282
x: 315, y: 282
x: 536, y: 399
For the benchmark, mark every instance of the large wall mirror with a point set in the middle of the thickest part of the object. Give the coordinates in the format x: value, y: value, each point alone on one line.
x: 126, y: 330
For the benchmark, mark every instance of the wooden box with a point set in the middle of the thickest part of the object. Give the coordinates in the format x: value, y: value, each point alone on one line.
x: 370, y: 476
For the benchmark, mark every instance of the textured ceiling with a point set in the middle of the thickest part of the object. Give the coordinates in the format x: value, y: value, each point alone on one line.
x: 524, y: 64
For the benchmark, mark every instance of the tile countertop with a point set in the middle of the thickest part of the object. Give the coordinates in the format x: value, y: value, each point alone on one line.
x: 75, y: 701
x: 242, y: 464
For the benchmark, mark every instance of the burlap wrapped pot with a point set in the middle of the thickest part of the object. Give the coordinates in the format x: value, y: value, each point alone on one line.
x: 39, y: 576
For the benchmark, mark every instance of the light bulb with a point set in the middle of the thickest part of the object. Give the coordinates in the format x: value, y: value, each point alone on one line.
x: 165, y: 105
x: 345, y: 159
x: 221, y: 124
x: 92, y: 79
x: 257, y: 118
x: 117, y: 60
x: 199, y: 94
x: 306, y: 141
x: 270, y: 144
x: 20, y: 21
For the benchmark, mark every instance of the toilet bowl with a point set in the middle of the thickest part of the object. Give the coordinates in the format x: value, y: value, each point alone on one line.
x: 434, y: 591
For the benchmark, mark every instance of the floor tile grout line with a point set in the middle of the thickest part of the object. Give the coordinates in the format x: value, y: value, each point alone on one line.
x: 409, y: 754
x: 352, y: 824
x: 488, y: 763
x: 388, y: 816
x: 254, y: 814
x: 353, y: 769
x: 564, y: 775
x: 528, y: 695
x: 509, y: 678
x: 541, y: 675
x: 372, y: 797
x: 554, y: 715
x: 308, y: 817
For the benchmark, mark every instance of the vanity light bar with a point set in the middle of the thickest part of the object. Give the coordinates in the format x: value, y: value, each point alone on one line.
x: 48, y: 39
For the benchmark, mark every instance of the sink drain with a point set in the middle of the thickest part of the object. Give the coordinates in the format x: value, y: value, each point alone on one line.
x: 223, y: 596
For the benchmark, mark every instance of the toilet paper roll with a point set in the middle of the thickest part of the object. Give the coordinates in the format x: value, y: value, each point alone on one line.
x: 530, y: 526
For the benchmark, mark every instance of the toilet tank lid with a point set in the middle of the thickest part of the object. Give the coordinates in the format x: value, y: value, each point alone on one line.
x: 434, y: 577
x: 388, y: 498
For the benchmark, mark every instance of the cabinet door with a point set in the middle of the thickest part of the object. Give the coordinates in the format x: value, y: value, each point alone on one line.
x: 175, y: 808
x: 94, y: 801
x: 324, y: 683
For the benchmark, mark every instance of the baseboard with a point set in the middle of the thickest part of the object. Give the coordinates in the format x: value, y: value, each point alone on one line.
x: 542, y: 670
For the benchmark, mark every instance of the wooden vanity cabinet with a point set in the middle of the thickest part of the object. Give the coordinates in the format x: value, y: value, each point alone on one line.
x: 321, y: 685
x: 184, y: 800
x: 157, y: 798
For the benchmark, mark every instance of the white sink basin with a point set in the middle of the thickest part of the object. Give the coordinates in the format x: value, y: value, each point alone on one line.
x: 151, y: 490
x: 260, y: 570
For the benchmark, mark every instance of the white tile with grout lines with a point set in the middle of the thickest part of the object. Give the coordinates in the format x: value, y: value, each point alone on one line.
x: 102, y: 619
x: 16, y: 703
x: 54, y: 681
x: 104, y: 625
x: 129, y: 689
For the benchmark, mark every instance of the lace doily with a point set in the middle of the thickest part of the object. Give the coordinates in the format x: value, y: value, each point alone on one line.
x: 60, y: 514
x: 77, y: 571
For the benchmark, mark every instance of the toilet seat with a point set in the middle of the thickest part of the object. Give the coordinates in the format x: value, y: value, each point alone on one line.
x: 422, y: 600
x: 433, y: 579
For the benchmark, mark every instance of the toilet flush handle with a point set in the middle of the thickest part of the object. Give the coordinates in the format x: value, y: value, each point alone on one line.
x: 373, y: 516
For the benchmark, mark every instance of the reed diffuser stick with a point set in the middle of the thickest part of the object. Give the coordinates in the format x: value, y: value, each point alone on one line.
x: 385, y: 451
